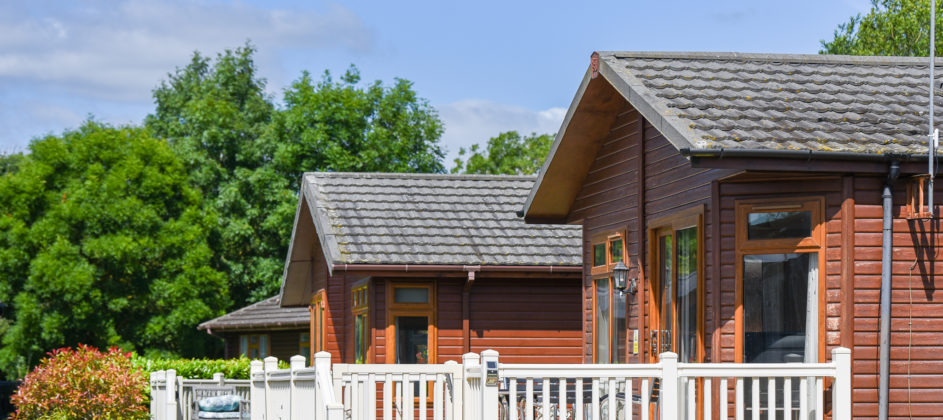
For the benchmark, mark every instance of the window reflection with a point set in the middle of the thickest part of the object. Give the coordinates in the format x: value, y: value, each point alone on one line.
x: 779, y: 225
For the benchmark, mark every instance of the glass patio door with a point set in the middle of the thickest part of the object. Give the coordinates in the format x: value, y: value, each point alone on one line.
x: 675, y: 290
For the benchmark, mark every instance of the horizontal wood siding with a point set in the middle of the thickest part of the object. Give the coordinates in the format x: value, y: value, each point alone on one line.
x: 282, y: 344
x: 916, y: 308
x: 524, y: 320
x: 608, y: 203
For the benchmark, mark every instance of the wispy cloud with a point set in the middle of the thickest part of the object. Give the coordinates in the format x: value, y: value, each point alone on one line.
x: 475, y: 121
x: 120, y: 50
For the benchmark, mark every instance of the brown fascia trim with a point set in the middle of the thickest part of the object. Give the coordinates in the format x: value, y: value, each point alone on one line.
x: 459, y: 268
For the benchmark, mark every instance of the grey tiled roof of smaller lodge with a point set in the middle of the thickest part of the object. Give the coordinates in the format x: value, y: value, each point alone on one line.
x: 377, y: 218
x: 872, y: 105
x: 265, y: 314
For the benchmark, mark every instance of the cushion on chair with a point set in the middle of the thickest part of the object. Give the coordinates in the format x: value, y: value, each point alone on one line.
x: 219, y: 404
x: 219, y: 415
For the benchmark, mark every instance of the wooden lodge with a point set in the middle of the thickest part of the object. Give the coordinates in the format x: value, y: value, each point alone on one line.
x: 263, y: 329
x: 744, y: 193
x: 412, y: 268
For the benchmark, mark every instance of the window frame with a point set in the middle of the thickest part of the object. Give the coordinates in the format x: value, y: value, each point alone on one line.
x: 360, y: 307
x: 393, y: 310
x: 318, y: 325
x: 304, y: 343
x: 813, y: 243
x: 605, y: 271
x: 249, y: 346
x: 684, y: 219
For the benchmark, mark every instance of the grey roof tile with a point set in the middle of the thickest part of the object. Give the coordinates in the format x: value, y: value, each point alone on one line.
x: 872, y: 105
x: 265, y: 314
x: 436, y: 219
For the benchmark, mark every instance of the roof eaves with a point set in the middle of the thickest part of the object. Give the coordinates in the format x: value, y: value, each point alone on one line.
x: 776, y: 58
x: 556, y: 141
x: 653, y: 108
x: 322, y: 225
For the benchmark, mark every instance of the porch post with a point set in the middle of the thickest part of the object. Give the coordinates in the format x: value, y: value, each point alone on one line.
x: 841, y: 392
x: 669, y: 385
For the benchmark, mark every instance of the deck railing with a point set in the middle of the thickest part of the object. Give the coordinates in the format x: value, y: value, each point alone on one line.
x: 483, y: 388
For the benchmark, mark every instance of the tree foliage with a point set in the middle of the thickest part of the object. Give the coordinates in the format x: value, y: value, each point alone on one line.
x: 507, y: 153
x: 892, y: 27
x: 131, y: 236
x: 341, y: 126
x: 103, y: 242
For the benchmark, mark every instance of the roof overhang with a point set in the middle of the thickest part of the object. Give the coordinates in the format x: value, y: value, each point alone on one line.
x: 592, y: 112
x: 307, y: 252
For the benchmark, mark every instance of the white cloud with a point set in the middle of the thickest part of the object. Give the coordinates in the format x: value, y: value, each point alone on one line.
x: 475, y: 121
x: 119, y: 51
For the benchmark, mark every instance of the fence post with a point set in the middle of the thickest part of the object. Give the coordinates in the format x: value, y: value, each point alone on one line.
x: 295, y: 363
x: 219, y: 378
x: 669, y: 385
x: 256, y: 390
x: 471, y: 392
x: 489, y: 392
x: 270, y: 364
x: 841, y: 396
x: 454, y: 387
x: 171, y: 396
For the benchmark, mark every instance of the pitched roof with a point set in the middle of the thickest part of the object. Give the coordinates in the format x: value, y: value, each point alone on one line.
x: 374, y: 218
x: 871, y: 105
x: 768, y: 106
x: 265, y: 314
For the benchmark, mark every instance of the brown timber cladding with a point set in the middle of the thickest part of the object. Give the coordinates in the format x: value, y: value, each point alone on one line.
x: 608, y: 201
x: 532, y: 320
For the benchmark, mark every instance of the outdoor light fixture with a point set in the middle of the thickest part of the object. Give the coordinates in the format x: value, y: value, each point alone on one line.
x: 619, y: 275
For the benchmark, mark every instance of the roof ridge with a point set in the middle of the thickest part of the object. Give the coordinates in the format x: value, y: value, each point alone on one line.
x: 789, y: 58
x: 407, y: 175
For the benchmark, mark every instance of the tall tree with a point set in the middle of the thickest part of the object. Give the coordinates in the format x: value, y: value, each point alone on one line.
x: 214, y: 114
x: 342, y: 126
x: 103, y: 242
x: 892, y: 27
x: 507, y: 153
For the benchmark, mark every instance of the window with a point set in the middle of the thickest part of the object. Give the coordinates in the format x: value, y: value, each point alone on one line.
x: 254, y: 346
x: 362, y: 334
x: 410, y: 323
x: 304, y: 345
x: 676, y: 284
x: 779, y: 253
x: 609, y: 304
x: 318, y: 322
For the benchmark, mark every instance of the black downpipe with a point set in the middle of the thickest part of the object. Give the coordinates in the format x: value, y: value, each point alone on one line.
x: 886, y: 248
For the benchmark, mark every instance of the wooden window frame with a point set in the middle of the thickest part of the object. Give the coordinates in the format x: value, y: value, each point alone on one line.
x: 605, y: 271
x: 262, y: 355
x: 360, y: 306
x: 813, y: 243
x: 689, y: 218
x: 394, y: 310
x: 318, y: 325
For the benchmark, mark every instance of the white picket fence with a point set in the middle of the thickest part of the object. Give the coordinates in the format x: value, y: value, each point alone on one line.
x: 482, y: 388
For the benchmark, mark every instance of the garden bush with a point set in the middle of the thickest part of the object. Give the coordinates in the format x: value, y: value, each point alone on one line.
x: 200, y: 368
x: 83, y: 383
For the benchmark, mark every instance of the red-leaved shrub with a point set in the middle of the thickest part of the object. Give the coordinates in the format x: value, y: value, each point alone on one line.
x: 83, y: 384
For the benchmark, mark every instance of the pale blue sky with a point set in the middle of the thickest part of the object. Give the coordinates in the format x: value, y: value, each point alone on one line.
x: 488, y: 66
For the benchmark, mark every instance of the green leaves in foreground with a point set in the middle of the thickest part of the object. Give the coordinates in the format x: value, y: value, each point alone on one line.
x: 102, y: 242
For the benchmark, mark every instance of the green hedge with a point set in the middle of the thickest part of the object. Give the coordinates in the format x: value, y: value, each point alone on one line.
x: 200, y: 368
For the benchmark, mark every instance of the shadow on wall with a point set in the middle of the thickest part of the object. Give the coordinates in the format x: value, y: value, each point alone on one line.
x: 923, y: 237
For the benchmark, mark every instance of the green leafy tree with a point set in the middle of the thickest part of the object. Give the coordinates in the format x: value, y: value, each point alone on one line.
x: 341, y: 126
x: 214, y: 114
x: 103, y: 242
x: 892, y: 27
x: 508, y: 153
